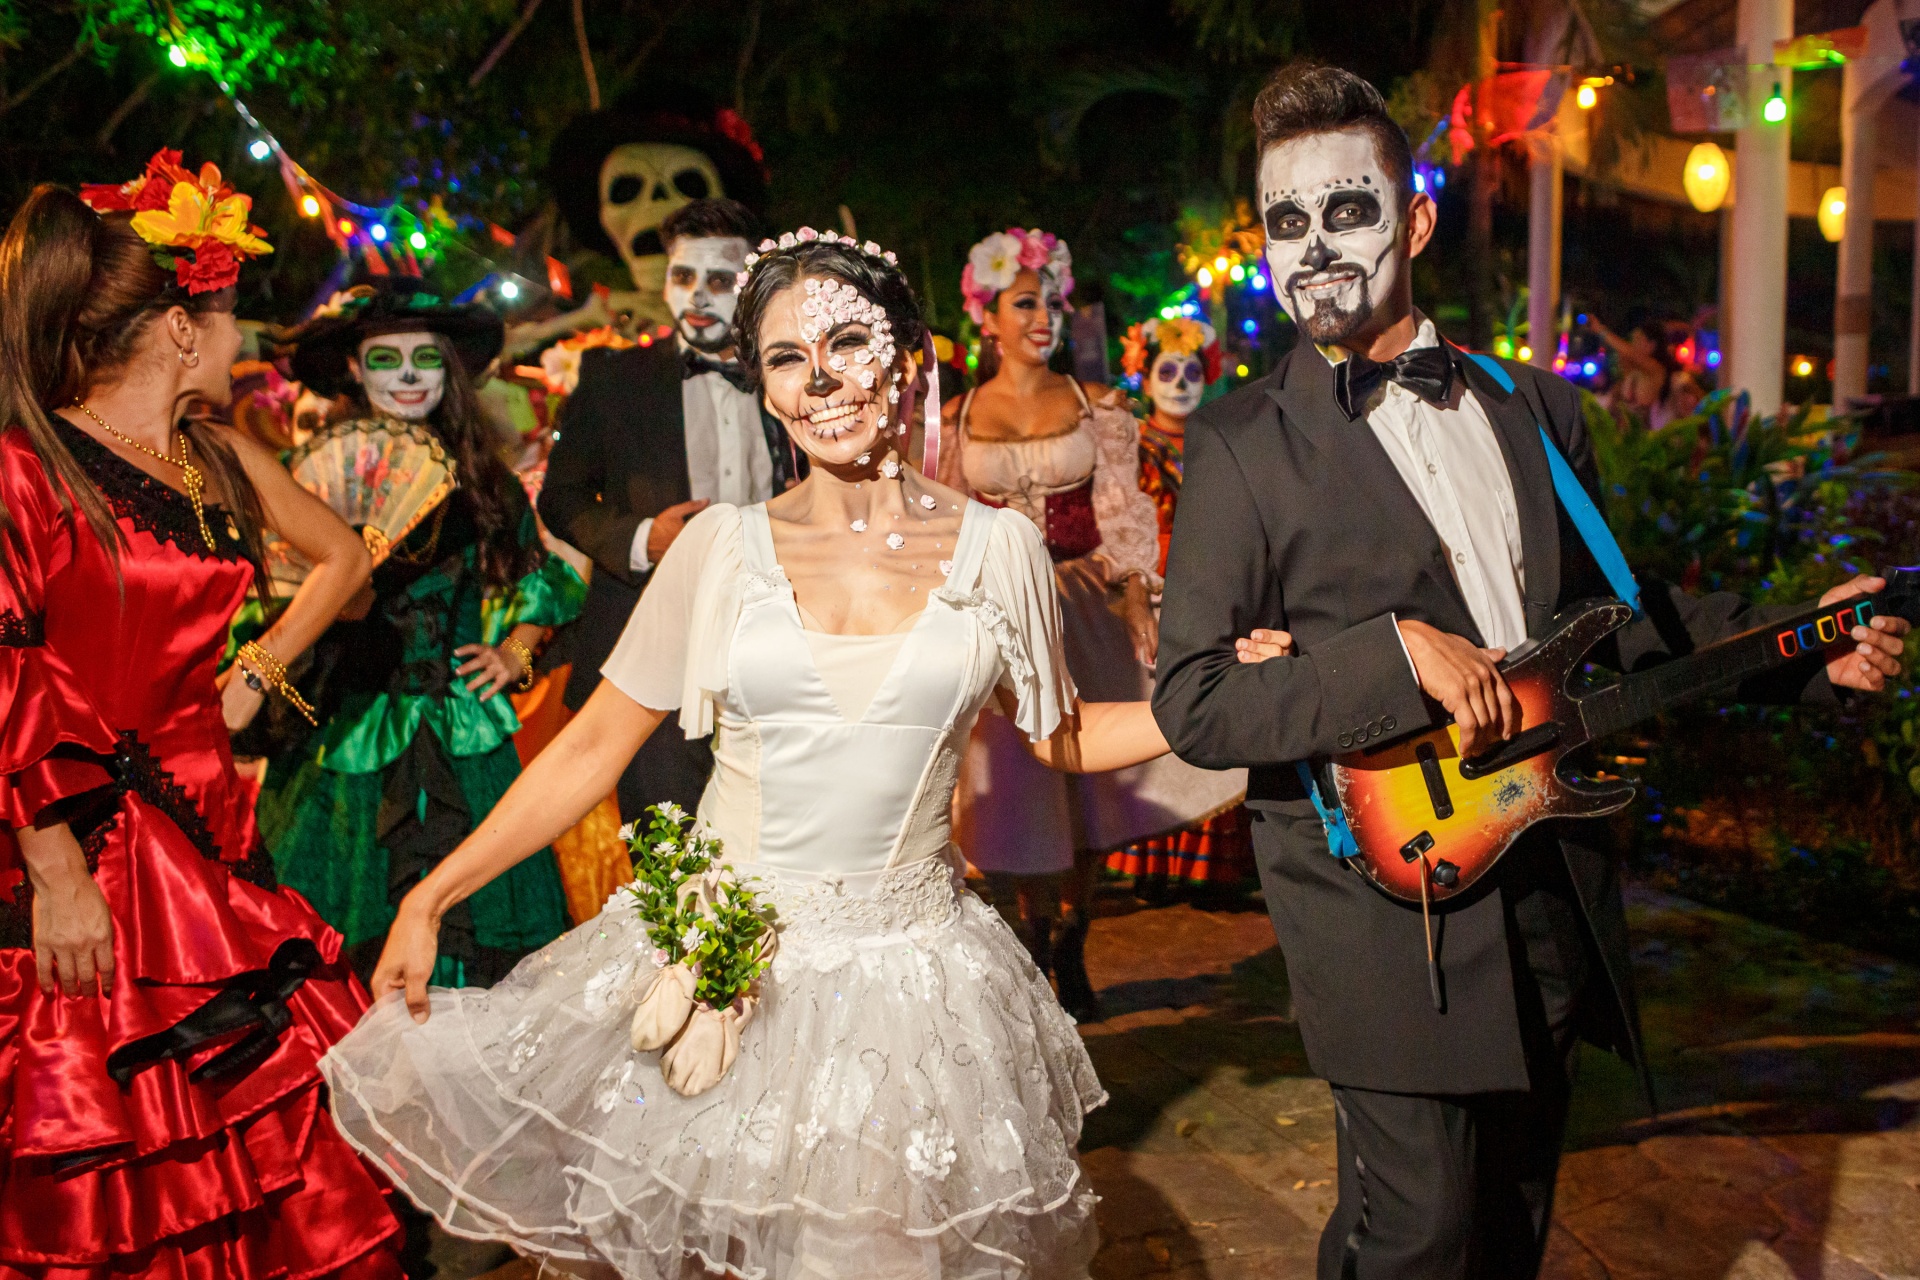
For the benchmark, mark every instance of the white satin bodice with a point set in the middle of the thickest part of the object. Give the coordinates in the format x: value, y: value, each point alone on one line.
x: 797, y: 785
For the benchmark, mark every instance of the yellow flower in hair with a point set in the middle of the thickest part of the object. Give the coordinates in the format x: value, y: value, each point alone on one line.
x: 1180, y: 337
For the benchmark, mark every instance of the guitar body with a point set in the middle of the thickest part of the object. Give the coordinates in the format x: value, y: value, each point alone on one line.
x: 1415, y: 814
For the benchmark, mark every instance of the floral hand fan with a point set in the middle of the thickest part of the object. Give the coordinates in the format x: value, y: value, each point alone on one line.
x: 381, y: 476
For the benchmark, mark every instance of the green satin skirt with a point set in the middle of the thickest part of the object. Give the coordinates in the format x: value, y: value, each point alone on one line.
x: 325, y: 832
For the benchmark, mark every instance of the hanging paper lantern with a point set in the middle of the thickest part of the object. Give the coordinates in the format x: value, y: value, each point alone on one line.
x: 1833, y: 214
x: 1707, y: 176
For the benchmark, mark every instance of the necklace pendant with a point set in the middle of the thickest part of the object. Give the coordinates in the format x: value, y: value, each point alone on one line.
x: 191, y: 480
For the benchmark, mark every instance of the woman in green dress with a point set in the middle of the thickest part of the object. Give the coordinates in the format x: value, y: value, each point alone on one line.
x: 416, y: 741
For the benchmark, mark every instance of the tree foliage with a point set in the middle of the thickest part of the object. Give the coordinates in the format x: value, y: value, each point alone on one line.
x: 931, y: 123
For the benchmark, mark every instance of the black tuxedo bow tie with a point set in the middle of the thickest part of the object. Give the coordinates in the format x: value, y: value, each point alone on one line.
x: 732, y: 370
x: 1425, y: 371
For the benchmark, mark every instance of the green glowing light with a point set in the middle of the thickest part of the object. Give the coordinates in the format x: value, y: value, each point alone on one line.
x: 417, y: 240
x: 1776, y: 109
x: 177, y: 56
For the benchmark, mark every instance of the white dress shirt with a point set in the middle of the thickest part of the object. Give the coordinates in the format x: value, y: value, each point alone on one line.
x: 1452, y: 464
x: 727, y: 458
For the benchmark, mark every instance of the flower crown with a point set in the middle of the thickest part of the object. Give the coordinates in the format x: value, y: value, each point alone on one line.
x: 1176, y: 337
x: 807, y: 235
x: 196, y: 224
x: 997, y: 261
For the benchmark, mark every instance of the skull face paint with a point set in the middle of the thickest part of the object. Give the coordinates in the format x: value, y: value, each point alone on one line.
x: 1176, y: 384
x: 1334, y: 231
x: 701, y: 291
x: 640, y: 184
x: 828, y: 370
x: 404, y: 374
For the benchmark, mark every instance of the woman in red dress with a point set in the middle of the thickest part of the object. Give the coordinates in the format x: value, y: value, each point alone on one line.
x: 163, y: 1005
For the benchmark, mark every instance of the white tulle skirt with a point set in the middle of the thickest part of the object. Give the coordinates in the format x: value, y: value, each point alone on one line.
x: 906, y: 1103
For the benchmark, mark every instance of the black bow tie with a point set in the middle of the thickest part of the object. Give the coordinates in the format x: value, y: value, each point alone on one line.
x: 732, y: 370
x: 1425, y: 371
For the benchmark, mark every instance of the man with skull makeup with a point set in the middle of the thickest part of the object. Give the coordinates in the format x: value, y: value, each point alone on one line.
x: 1389, y: 502
x: 650, y: 437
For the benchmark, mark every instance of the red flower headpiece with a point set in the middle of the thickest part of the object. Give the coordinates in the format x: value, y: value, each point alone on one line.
x: 196, y: 223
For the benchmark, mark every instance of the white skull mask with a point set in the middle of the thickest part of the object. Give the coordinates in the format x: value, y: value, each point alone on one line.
x: 701, y: 289
x: 1176, y: 384
x: 640, y: 184
x: 1334, y: 224
x: 404, y: 374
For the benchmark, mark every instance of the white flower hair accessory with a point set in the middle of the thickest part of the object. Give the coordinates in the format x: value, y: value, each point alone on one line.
x: 997, y: 261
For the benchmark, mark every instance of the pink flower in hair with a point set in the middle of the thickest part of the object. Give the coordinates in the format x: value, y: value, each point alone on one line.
x: 1036, y: 247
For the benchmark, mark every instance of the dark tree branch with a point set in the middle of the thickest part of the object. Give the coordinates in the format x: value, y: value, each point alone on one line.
x: 586, y: 54
x: 645, y: 51
x: 104, y: 139
x: 506, y: 42
x: 46, y: 77
x: 746, y: 59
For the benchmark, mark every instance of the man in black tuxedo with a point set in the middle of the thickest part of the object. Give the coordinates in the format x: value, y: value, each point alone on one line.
x: 1390, y: 504
x: 650, y: 436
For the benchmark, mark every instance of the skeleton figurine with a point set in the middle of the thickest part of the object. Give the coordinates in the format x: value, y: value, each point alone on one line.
x: 618, y: 174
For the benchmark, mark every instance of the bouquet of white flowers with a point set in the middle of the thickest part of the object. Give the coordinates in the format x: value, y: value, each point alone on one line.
x: 712, y: 936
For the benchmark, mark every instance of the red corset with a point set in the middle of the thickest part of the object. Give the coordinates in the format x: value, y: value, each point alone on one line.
x: 1070, y: 529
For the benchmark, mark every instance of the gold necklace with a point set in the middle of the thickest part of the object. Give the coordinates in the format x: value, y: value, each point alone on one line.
x: 190, y: 476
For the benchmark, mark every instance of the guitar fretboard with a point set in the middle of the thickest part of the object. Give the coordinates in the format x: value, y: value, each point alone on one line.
x: 1724, y: 665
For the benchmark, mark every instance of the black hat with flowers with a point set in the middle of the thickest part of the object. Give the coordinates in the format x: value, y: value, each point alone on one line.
x: 324, y: 346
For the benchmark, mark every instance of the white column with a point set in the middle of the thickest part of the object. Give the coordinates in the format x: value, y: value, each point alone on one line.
x: 1913, y: 317
x: 1545, y: 164
x: 1723, y: 376
x: 1853, y: 284
x: 1760, y: 212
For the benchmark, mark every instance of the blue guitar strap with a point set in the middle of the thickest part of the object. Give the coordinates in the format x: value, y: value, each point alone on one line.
x: 1573, y: 496
x: 1340, y: 841
x: 1593, y: 531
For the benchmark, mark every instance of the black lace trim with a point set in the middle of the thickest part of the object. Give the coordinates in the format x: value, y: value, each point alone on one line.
x: 147, y: 504
x: 17, y: 632
x: 95, y: 816
x: 137, y: 769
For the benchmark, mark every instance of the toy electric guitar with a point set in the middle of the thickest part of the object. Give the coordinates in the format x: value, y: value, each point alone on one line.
x: 1429, y: 824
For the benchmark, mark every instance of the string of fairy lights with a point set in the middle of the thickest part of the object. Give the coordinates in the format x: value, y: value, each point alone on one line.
x: 393, y: 238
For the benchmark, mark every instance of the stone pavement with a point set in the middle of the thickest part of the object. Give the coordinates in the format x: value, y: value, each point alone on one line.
x: 1789, y: 1148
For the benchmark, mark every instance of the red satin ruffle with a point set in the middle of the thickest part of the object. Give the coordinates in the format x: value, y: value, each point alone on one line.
x: 41, y: 708
x: 242, y: 1178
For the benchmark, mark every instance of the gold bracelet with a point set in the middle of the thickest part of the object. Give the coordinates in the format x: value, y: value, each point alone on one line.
x: 525, y: 655
x: 274, y: 672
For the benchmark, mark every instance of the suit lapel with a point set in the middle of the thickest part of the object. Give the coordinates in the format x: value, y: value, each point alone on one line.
x: 1518, y: 432
x: 1305, y: 397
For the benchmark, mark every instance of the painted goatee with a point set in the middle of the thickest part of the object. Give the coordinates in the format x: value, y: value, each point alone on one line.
x: 1335, y: 320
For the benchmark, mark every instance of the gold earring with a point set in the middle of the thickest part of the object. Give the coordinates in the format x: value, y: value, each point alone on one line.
x: 190, y: 358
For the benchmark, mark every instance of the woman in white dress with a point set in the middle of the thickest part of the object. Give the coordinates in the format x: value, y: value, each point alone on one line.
x: 907, y: 1101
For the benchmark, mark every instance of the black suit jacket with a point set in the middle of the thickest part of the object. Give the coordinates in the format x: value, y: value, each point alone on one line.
x: 1292, y: 517
x: 620, y: 457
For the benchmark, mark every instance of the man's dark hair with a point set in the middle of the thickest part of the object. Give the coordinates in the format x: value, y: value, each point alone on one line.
x: 703, y: 219
x: 1305, y: 98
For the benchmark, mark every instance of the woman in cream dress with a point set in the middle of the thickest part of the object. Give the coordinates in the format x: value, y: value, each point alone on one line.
x: 907, y: 1101
x: 1067, y: 457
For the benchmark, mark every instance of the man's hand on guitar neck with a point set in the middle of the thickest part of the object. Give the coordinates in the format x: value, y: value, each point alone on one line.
x: 1875, y: 653
x: 1466, y: 680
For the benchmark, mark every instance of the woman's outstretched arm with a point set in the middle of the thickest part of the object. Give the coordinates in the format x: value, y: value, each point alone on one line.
x: 576, y: 772
x: 1115, y: 735
x: 1101, y: 736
